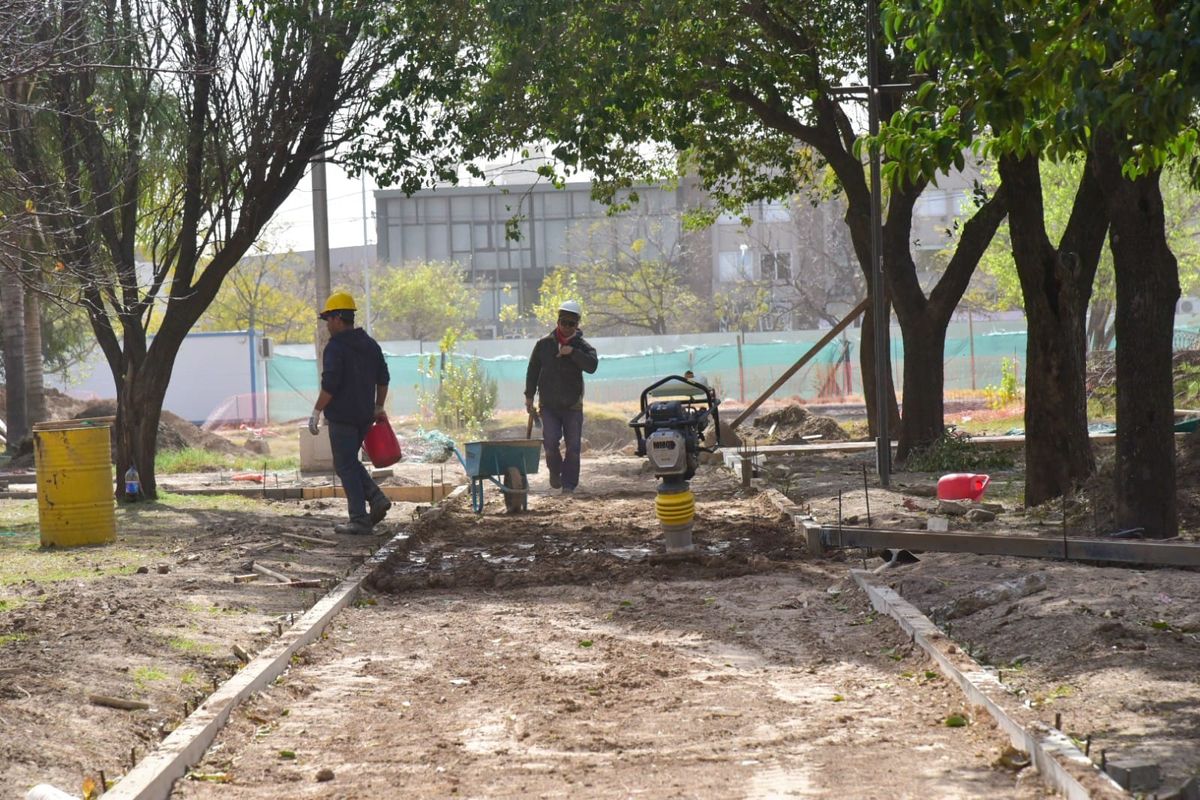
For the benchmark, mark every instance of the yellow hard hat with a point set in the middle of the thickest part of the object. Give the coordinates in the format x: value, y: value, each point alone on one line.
x: 339, y: 301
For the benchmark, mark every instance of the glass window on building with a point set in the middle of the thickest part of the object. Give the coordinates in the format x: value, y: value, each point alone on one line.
x: 554, y: 240
x: 481, y: 207
x: 735, y: 265
x: 506, y: 296
x: 487, y: 302
x: 486, y: 261
x: 403, y: 210
x: 437, y: 242
x: 557, y: 203
x: 461, y: 233
x: 414, y: 244
x: 481, y: 238
x: 777, y: 266
x: 436, y: 209
x: 395, y: 234
x: 460, y: 208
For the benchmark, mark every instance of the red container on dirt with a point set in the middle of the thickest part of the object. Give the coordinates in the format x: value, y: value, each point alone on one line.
x: 381, y: 444
x: 962, y: 486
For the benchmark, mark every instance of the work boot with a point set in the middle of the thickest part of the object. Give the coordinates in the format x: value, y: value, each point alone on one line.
x: 355, y: 527
x: 379, y: 508
x: 555, y: 480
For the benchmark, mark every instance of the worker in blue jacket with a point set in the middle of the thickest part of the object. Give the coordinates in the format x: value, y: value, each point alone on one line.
x: 555, y: 375
x: 354, y: 386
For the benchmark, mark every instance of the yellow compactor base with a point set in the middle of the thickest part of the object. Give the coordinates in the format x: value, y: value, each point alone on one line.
x: 675, y: 509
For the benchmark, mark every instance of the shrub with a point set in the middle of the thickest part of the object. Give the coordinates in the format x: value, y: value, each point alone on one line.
x: 954, y: 452
x: 1008, y: 391
x: 465, y: 397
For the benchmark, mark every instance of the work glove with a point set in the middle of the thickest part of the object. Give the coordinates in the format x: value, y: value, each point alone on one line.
x: 314, y: 423
x: 529, y: 405
x: 380, y: 411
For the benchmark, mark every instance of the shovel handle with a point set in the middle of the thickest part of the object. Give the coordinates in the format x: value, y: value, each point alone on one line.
x: 529, y: 427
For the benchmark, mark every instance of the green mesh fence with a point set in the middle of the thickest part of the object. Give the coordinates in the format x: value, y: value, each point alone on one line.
x: 735, y: 372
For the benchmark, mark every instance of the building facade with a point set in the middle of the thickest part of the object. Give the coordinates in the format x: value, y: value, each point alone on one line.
x: 507, y: 238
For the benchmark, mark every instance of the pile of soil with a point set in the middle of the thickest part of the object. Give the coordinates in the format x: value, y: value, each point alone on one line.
x: 58, y: 405
x: 792, y: 423
x: 174, y: 432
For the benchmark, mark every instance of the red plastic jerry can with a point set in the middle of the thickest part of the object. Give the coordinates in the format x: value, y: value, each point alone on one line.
x: 381, y: 444
x: 962, y: 486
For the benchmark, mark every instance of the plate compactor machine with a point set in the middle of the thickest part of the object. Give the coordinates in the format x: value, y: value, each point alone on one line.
x: 670, y: 433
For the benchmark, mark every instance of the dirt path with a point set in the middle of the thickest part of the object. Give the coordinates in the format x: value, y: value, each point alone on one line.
x: 759, y: 686
x: 564, y: 658
x: 513, y: 656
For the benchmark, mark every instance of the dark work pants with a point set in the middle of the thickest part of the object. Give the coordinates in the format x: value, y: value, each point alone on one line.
x: 568, y: 427
x: 345, y: 441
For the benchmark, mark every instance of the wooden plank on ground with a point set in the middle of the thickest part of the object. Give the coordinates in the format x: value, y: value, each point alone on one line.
x: 403, y: 494
x: 270, y: 573
x: 1123, y: 551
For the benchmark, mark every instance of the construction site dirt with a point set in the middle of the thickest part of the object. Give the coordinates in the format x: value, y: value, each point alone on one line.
x: 562, y: 652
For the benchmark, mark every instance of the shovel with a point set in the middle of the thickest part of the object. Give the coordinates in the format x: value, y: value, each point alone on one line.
x: 534, y: 419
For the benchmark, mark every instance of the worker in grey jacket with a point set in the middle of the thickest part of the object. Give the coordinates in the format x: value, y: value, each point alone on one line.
x: 555, y: 374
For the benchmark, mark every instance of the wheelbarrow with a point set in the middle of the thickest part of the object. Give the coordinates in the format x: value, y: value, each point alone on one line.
x: 511, y: 459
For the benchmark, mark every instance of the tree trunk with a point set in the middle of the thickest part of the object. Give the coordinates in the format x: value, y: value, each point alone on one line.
x: 35, y: 386
x: 923, y: 320
x: 924, y: 376
x: 1057, y: 285
x: 1147, y: 282
x: 140, y: 394
x: 12, y: 295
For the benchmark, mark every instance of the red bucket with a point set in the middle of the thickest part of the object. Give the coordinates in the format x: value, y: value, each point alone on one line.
x: 962, y: 486
x: 381, y: 444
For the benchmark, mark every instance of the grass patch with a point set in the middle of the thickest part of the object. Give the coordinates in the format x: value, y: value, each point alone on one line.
x: 189, y: 678
x: 13, y: 603
x: 159, y: 511
x: 181, y: 645
x: 12, y: 638
x: 22, y: 559
x: 20, y: 516
x: 195, y: 459
x: 144, y: 676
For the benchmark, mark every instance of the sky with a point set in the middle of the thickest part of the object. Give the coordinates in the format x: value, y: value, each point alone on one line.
x: 292, y: 225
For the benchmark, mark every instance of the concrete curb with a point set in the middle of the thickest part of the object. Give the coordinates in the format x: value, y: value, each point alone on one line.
x: 1062, y: 766
x: 155, y: 775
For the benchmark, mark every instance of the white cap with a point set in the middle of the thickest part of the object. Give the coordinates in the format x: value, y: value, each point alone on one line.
x: 571, y: 307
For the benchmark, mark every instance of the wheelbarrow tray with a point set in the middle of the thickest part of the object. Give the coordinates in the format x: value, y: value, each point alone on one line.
x: 483, y: 459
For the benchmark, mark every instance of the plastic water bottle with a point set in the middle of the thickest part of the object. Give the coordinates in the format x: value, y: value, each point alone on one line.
x: 133, y: 484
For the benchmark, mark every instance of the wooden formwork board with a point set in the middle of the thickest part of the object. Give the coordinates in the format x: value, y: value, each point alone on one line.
x: 1121, y: 551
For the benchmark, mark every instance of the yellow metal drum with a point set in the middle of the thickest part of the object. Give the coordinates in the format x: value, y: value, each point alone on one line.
x: 75, y: 483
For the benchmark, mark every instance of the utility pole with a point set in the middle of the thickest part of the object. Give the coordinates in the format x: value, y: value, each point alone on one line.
x: 366, y: 259
x: 883, y: 449
x: 320, y: 203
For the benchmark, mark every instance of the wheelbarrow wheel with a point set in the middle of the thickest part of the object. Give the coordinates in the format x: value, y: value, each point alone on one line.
x: 516, y: 490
